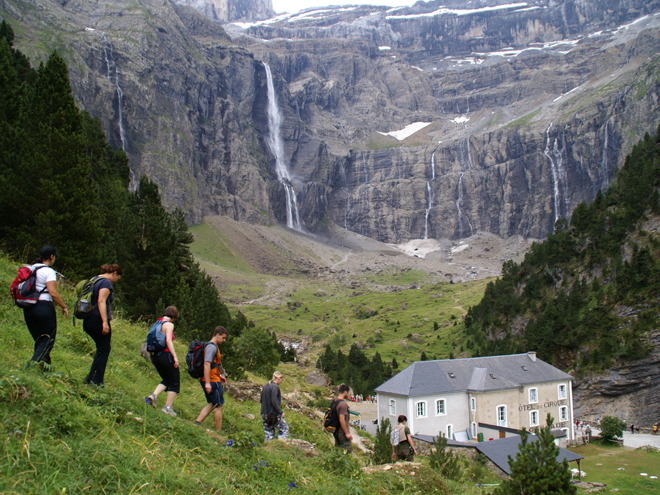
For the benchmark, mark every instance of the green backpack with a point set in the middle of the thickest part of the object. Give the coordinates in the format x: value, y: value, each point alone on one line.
x: 83, y: 307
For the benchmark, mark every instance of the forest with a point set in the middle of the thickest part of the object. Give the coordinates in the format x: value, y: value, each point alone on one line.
x: 587, y: 295
x: 65, y: 186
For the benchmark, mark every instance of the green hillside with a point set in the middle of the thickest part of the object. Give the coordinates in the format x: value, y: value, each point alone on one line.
x: 588, y: 295
x: 62, y: 436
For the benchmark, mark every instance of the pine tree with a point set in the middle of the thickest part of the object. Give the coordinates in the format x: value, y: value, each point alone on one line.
x: 382, y: 452
x: 535, y: 468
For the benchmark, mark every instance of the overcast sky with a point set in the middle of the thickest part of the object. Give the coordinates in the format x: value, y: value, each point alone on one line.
x: 292, y: 6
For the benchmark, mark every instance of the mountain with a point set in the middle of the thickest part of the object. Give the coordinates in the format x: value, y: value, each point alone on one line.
x: 530, y: 107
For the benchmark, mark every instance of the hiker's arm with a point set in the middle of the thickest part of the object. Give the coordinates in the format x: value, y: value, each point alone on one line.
x: 103, y: 309
x: 52, y: 290
x: 168, y: 330
x: 344, y: 427
x: 207, y: 377
x: 411, y: 443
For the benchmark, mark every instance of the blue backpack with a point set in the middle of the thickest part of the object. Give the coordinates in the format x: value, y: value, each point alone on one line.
x: 156, y: 342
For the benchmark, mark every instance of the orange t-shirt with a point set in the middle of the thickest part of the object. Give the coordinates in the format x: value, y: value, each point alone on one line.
x: 215, y: 371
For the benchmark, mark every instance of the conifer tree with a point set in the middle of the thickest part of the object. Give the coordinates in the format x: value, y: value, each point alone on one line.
x: 536, y: 469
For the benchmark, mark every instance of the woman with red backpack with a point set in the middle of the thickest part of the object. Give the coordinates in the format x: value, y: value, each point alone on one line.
x: 40, y: 317
x: 165, y: 360
x: 97, y: 325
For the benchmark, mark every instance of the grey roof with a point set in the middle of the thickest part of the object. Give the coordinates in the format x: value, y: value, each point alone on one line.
x: 498, y: 450
x: 482, y: 374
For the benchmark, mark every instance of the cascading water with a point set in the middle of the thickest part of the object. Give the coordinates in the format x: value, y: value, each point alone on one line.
x: 561, y: 170
x: 113, y: 69
x: 603, y: 164
x: 465, y: 166
x: 555, y: 174
x: 114, y: 76
x: 429, y: 191
x: 433, y: 165
x: 277, y: 147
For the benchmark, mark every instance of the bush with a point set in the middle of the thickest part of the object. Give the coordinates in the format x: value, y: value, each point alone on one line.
x: 443, y: 459
x: 382, y: 453
x: 611, y: 427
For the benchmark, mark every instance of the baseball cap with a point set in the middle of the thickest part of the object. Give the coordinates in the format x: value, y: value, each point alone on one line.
x: 47, y: 251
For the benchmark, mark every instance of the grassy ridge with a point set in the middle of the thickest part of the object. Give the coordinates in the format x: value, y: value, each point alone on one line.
x: 61, y: 436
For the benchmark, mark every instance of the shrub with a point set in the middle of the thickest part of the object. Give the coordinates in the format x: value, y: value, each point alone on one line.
x: 382, y: 453
x: 611, y: 427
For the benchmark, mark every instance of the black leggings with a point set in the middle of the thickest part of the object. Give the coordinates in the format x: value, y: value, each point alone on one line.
x: 41, y: 321
x: 164, y: 364
x: 93, y: 326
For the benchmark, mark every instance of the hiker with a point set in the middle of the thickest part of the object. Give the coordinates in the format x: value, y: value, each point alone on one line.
x: 655, y: 428
x: 213, y: 379
x: 271, y: 410
x: 97, y: 325
x: 405, y: 451
x: 41, y: 318
x: 167, y: 364
x: 343, y: 433
x: 632, y: 428
x: 587, y: 433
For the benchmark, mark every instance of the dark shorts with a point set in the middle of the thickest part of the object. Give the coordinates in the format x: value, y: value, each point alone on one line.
x: 341, y: 441
x: 164, y: 364
x: 216, y: 397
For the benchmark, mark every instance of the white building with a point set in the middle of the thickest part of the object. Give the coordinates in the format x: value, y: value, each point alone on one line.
x: 494, y: 396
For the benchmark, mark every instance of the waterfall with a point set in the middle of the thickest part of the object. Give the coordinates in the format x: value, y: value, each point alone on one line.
x: 553, y: 168
x: 465, y: 166
x: 111, y: 66
x: 277, y: 148
x: 603, y: 164
x: 433, y: 165
x: 426, y: 216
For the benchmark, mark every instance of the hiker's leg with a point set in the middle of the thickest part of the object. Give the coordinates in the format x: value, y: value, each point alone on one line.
x: 217, y: 418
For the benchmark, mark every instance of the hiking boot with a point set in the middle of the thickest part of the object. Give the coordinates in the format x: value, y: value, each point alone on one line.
x: 168, y: 410
x: 151, y: 400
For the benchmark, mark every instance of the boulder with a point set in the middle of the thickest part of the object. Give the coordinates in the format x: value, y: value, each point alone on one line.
x: 317, y: 379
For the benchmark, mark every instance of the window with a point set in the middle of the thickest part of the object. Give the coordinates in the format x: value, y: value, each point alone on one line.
x: 563, y: 413
x: 392, y: 407
x: 474, y: 430
x: 473, y: 404
x: 533, y: 396
x: 533, y: 418
x: 501, y: 415
x: 421, y: 409
x: 561, y: 391
x: 450, y: 431
x: 440, y: 407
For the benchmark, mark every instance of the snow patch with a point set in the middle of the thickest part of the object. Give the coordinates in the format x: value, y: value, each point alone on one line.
x: 418, y: 248
x: 407, y: 131
x: 461, y: 120
x: 384, y: 48
x: 460, y: 248
x: 459, y: 12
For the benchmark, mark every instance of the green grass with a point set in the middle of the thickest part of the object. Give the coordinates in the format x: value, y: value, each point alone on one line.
x: 334, y: 313
x: 524, y: 120
x: 602, y: 463
x: 213, y: 247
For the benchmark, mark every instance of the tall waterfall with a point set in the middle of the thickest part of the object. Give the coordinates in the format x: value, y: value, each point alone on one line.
x: 114, y: 76
x: 113, y: 70
x: 433, y: 165
x: 555, y: 174
x: 466, y: 164
x: 603, y: 164
x: 277, y: 147
x: 429, y: 191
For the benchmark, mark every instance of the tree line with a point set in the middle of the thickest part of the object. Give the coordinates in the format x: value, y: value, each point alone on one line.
x: 63, y: 184
x: 564, y: 299
x: 355, y: 369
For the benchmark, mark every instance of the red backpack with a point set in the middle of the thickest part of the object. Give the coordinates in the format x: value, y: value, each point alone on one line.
x: 23, y: 289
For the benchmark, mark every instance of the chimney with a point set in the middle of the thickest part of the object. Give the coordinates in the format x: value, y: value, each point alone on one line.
x: 532, y: 355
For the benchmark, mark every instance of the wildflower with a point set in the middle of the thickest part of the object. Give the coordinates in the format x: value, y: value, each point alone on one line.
x: 229, y: 443
x: 292, y: 485
x: 254, y: 466
x: 263, y: 463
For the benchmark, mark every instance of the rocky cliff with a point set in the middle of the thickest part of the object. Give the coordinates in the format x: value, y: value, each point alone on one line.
x: 529, y: 107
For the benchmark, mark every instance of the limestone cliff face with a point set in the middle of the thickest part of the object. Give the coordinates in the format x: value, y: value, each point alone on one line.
x: 530, y: 109
x: 232, y: 10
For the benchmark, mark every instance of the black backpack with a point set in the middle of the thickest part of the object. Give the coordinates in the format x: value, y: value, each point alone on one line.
x: 195, y: 358
x: 331, y: 418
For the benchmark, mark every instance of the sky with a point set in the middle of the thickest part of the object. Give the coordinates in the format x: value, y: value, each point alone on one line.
x: 292, y: 6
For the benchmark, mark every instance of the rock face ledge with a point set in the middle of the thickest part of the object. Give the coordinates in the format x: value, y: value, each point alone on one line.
x: 529, y: 109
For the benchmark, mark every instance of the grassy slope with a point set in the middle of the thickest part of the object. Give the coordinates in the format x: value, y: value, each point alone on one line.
x: 79, y: 439
x: 602, y: 465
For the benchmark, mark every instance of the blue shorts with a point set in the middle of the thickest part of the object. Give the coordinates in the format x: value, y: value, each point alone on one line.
x: 216, y: 397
